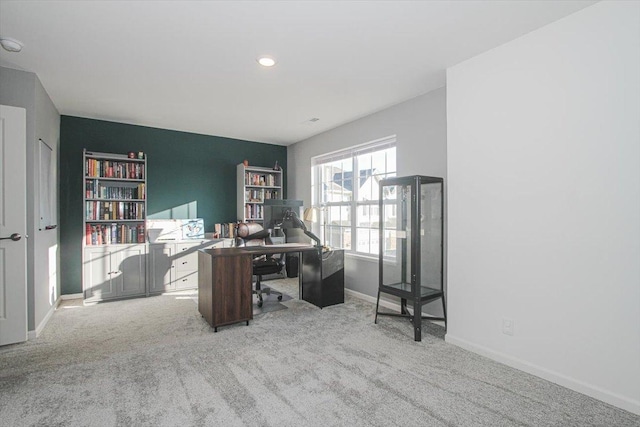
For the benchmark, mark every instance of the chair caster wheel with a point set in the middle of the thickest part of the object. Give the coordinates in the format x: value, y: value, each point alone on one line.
x: 279, y: 297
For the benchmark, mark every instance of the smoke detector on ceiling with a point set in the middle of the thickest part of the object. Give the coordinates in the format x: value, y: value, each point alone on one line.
x: 11, y: 45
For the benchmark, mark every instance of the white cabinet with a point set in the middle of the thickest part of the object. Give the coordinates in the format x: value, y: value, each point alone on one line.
x: 173, y: 266
x: 161, y: 267
x: 255, y: 185
x: 114, y: 271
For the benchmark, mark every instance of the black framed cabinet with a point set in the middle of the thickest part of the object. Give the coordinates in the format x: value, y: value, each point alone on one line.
x: 411, y: 246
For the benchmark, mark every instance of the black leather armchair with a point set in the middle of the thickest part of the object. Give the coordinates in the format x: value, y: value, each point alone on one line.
x: 252, y: 234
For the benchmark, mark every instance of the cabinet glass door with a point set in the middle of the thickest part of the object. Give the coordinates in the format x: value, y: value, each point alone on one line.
x: 396, y: 236
x: 431, y: 235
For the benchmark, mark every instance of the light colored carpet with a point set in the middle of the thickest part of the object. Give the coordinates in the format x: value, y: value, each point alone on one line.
x: 154, y: 361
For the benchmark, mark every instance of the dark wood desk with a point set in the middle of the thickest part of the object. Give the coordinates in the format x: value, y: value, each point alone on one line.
x: 225, y: 280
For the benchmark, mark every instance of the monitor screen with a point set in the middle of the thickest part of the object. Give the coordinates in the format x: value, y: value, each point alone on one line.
x: 274, y: 212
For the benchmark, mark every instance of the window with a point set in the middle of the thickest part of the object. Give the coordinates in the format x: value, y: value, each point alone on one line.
x: 345, y: 188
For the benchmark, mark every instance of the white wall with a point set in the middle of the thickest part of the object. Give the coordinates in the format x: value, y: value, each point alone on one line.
x: 544, y: 202
x: 46, y: 256
x: 420, y: 127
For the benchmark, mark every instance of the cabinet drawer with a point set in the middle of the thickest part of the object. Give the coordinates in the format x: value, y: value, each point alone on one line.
x: 187, y: 280
x: 187, y: 261
x: 187, y: 253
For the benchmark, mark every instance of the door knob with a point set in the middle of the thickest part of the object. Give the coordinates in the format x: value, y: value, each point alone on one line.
x: 15, y: 237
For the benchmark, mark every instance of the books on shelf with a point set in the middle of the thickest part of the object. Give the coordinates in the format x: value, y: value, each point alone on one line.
x: 256, y: 186
x: 109, y: 234
x: 253, y: 211
x: 260, y: 195
x: 97, y: 210
x: 224, y: 230
x: 260, y: 179
x: 113, y: 169
x: 114, y: 199
x: 97, y: 190
x: 271, y: 194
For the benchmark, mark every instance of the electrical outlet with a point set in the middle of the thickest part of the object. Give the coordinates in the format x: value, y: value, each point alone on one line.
x: 507, y: 326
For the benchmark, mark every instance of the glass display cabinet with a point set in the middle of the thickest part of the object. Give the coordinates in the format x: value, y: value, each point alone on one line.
x: 411, y: 246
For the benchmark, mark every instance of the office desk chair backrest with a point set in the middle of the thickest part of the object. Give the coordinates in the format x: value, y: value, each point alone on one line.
x: 252, y: 234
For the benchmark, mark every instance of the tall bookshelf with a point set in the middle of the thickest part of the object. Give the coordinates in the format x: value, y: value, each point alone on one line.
x: 255, y: 185
x: 115, y: 199
x: 114, y: 221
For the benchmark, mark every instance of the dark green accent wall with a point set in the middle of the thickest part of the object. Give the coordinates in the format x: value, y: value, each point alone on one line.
x: 182, y: 168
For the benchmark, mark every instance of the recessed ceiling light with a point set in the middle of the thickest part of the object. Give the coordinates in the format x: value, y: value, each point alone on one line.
x: 266, y: 61
x: 11, y: 45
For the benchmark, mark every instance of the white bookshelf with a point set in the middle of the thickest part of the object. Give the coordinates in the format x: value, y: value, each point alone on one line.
x: 115, y: 209
x: 255, y: 185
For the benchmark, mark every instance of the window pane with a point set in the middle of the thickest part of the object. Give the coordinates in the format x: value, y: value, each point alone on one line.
x: 338, y: 237
x: 346, y: 238
x: 367, y: 216
x: 362, y: 240
x: 364, y: 179
x: 367, y: 240
x: 362, y: 217
x: 374, y: 241
x: 391, y: 160
x: 348, y: 188
x: 345, y: 215
x: 378, y: 162
x: 337, y: 216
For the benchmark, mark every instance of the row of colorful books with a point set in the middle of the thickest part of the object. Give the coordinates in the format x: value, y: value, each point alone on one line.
x: 96, y: 190
x: 98, y: 210
x: 108, y: 234
x: 112, y: 169
x: 253, y: 211
x: 252, y: 178
x: 224, y: 230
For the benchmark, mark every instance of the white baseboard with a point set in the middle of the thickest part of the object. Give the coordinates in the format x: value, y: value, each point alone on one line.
x: 606, y: 396
x: 31, y: 335
x: 71, y: 296
x: 383, y: 302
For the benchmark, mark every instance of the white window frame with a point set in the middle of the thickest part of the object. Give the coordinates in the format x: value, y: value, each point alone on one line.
x: 353, y: 204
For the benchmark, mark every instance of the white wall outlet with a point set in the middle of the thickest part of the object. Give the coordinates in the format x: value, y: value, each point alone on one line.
x: 507, y: 326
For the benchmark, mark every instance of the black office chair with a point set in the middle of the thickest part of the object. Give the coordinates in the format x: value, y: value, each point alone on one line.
x: 252, y: 234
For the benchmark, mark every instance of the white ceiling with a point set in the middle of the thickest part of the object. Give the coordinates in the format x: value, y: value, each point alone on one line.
x: 191, y: 65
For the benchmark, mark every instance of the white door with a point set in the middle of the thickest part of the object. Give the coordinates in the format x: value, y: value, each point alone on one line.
x: 13, y: 225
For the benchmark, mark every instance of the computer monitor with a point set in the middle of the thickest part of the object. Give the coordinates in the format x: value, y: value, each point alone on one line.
x: 275, y: 210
